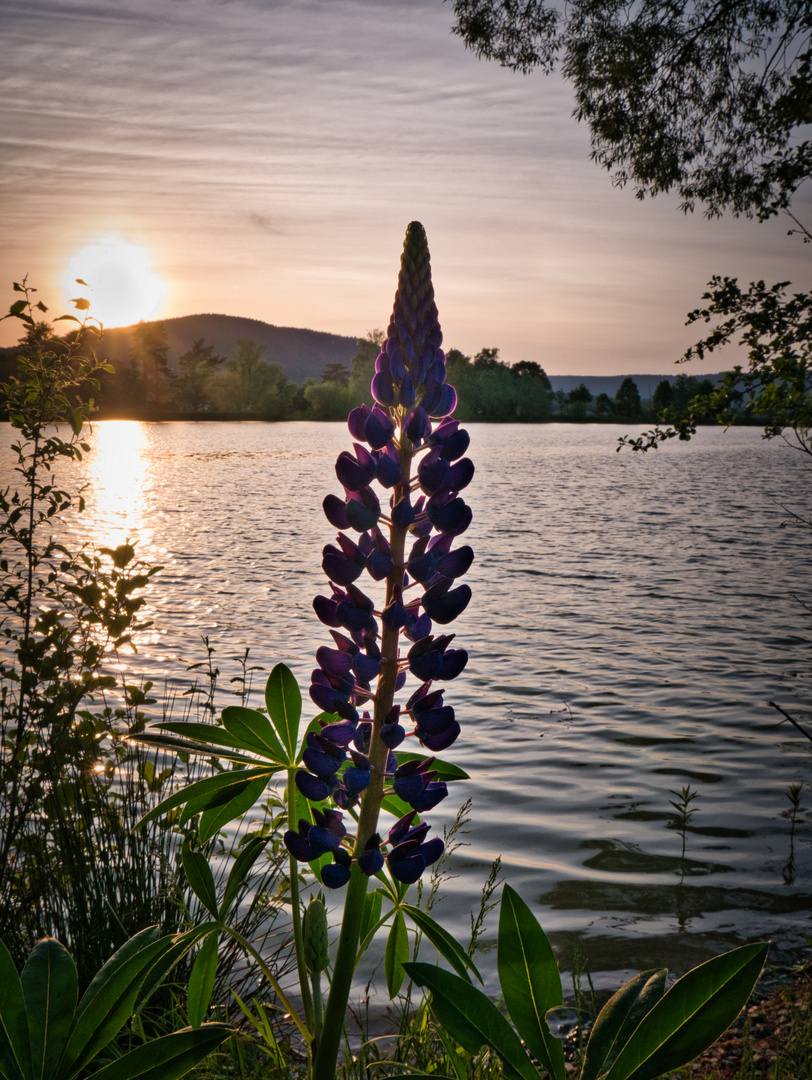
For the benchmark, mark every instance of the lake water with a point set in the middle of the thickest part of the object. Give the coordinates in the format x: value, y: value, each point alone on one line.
x: 632, y: 617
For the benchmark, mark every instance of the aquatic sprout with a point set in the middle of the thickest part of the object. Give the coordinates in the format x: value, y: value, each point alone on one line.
x: 397, y: 521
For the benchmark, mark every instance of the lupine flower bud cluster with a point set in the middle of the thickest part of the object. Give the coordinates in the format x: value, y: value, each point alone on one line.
x: 398, y: 521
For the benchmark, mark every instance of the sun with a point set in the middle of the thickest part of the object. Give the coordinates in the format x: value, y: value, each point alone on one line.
x: 121, y: 285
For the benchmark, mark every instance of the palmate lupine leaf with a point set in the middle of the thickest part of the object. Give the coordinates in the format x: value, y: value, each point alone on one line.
x: 472, y: 1018
x: 217, y: 790
x: 111, y: 998
x: 15, y: 1049
x: 253, y: 731
x: 201, y: 980
x: 618, y: 1019
x: 691, y: 1016
x: 50, y: 985
x: 200, y: 877
x: 530, y: 980
x: 169, y: 1057
x: 396, y: 954
x: 284, y: 702
x: 447, y: 946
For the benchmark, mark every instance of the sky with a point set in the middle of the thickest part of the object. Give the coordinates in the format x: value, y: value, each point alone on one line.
x: 267, y: 155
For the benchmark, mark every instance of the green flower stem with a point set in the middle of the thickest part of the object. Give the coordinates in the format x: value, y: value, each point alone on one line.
x: 296, y: 913
x: 324, y: 1067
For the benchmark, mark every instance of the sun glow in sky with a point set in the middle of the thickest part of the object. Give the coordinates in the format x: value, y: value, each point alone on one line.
x: 269, y: 156
x: 120, y: 283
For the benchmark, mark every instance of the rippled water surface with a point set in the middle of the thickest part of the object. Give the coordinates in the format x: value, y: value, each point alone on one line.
x: 632, y: 617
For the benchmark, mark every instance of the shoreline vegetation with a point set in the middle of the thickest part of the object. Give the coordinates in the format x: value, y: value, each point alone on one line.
x: 155, y: 375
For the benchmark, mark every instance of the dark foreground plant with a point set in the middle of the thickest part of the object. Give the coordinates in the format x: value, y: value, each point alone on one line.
x: 401, y: 495
x: 46, y: 1033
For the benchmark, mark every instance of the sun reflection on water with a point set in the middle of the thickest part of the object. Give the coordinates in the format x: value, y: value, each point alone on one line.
x: 117, y: 477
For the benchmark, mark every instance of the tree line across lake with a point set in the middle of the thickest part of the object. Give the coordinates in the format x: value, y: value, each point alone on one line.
x: 244, y: 384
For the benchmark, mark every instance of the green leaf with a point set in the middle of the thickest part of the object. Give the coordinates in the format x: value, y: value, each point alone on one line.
x: 253, y: 731
x: 219, y: 745
x: 447, y: 946
x: 15, y: 1051
x: 396, y: 954
x: 211, y: 821
x: 201, y: 980
x: 202, y: 733
x: 199, y: 875
x: 51, y: 988
x: 109, y: 1001
x: 372, y: 911
x: 530, y: 980
x: 242, y: 864
x: 205, y: 790
x: 445, y: 769
x: 472, y: 1019
x: 691, y: 1016
x: 618, y: 1018
x: 201, y: 788
x: 284, y: 701
x: 169, y: 1057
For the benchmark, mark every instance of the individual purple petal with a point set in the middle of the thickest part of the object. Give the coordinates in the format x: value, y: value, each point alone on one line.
x: 460, y: 475
x: 363, y: 736
x: 362, y: 511
x: 312, y: 787
x: 448, y: 401
x: 392, y: 735
x: 323, y: 840
x: 451, y: 438
x: 388, y: 472
x: 378, y: 429
x: 383, y: 390
x: 298, y: 843
x: 379, y: 566
x: 405, y: 867
x: 354, y: 474
x: 419, y: 629
x: 335, y: 510
x: 342, y: 732
x: 338, y: 567
x: 454, y: 662
x: 417, y: 425
x: 435, y: 721
x: 335, y: 876
x: 406, y: 397
x: 327, y: 610
x: 422, y: 567
x: 403, y: 513
x: 453, y: 517
x: 432, y: 850
x: 441, y: 741
x: 366, y: 668
x: 356, y: 421
x: 456, y: 563
x: 395, y: 616
x: 334, y: 661
x: 429, y: 797
x: 432, y: 471
x: 371, y: 860
x: 443, y: 607
x: 330, y: 819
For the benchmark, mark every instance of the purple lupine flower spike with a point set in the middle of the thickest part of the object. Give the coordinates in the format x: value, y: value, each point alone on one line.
x: 398, y: 515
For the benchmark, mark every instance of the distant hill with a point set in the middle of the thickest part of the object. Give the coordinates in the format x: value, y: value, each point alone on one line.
x: 302, y: 354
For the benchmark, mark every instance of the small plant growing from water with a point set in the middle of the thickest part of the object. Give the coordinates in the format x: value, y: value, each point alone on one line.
x: 685, y: 810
